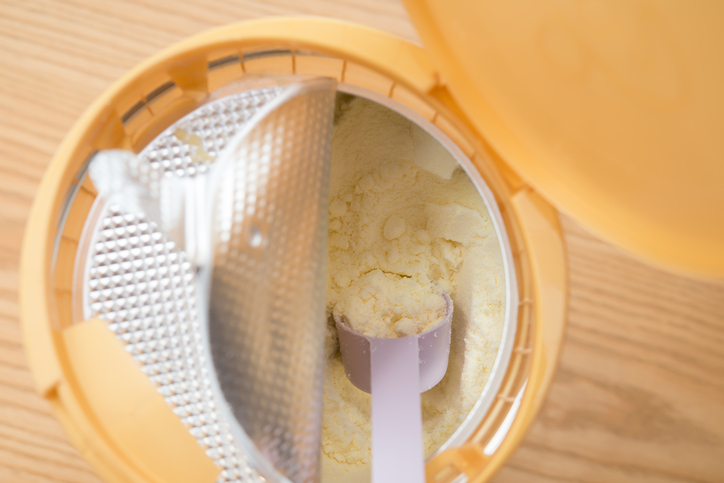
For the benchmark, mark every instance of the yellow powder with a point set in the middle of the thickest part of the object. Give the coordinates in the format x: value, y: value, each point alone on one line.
x: 403, y: 215
x: 382, y: 304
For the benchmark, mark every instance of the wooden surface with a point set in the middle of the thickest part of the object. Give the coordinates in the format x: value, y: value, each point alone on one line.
x: 639, y: 396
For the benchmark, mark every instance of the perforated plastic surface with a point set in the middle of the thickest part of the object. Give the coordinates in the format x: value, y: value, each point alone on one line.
x: 146, y: 289
x: 187, y: 147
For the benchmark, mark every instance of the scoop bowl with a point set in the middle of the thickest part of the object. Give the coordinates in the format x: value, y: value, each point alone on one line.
x: 433, y: 346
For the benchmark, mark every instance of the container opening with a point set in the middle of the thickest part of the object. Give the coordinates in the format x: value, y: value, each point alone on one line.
x: 401, y: 185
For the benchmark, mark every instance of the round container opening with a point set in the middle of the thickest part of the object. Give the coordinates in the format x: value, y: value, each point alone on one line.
x: 128, y: 274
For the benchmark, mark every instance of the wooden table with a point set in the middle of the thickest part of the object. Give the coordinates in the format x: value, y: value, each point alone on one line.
x: 639, y: 396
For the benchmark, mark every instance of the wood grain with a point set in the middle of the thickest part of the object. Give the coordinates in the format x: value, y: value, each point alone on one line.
x: 639, y: 396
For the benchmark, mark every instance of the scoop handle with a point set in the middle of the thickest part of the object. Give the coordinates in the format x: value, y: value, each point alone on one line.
x: 397, y: 453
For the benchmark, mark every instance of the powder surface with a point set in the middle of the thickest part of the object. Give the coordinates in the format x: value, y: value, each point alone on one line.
x: 405, y: 221
x: 382, y: 304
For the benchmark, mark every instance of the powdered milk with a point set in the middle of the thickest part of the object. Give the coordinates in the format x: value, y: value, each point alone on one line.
x: 403, y: 213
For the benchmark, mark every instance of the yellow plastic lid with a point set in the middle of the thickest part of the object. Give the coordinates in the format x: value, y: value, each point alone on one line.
x: 612, y: 110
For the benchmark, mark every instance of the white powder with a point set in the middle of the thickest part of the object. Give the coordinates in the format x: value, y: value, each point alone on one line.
x: 403, y: 215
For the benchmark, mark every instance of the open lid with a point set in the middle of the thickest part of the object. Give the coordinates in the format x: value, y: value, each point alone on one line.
x: 612, y: 110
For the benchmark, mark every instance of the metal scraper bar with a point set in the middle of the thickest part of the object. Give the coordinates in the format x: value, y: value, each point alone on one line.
x: 266, y: 292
